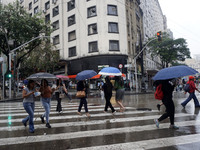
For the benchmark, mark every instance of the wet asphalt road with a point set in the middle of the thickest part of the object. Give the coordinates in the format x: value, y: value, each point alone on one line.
x: 133, y: 129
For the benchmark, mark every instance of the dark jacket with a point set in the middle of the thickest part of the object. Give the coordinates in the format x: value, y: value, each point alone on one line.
x: 107, y: 88
x: 80, y: 86
x: 167, y: 89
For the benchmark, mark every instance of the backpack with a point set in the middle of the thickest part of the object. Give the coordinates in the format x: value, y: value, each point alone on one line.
x: 159, y: 93
x: 187, y: 87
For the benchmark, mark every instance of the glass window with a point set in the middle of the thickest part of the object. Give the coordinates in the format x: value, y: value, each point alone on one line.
x: 112, y: 10
x: 55, y: 11
x: 21, y: 1
x: 113, y: 27
x: 35, y: 1
x: 92, y: 29
x: 30, y: 6
x: 36, y: 10
x: 71, y: 20
x: 72, y: 51
x: 47, y: 18
x: 114, y: 45
x: 55, y: 25
x: 47, y: 5
x: 56, y: 40
x: 93, y: 47
x: 92, y: 11
x: 71, y: 5
x: 54, y: 1
x: 72, y: 36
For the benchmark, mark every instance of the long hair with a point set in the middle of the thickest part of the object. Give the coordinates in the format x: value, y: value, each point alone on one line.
x: 59, y: 82
x: 43, y: 81
x: 29, y: 83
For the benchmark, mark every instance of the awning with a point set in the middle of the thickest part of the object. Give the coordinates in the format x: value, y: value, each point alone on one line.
x: 71, y: 76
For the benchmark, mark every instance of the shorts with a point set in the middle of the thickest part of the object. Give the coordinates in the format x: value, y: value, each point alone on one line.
x: 119, y: 94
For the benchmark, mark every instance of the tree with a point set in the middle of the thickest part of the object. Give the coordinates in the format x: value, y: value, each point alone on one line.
x: 171, y: 51
x: 17, y: 25
x: 41, y: 59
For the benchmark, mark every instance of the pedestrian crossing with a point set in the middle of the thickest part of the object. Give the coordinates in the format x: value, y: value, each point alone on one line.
x: 132, y: 129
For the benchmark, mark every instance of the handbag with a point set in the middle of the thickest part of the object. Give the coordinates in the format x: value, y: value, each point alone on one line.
x: 80, y: 94
x: 61, y: 95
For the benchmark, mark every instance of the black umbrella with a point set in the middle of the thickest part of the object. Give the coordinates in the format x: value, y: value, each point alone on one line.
x: 42, y: 75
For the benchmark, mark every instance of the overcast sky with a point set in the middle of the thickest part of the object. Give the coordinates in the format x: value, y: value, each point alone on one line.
x: 183, y: 18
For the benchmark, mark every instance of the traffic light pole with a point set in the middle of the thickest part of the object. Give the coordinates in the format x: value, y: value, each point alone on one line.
x: 135, y: 62
x: 13, y: 51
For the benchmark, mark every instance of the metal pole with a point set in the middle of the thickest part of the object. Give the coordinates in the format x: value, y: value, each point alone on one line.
x: 10, y: 78
x: 136, y: 81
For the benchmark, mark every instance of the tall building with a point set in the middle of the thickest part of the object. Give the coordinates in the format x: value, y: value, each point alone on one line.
x: 93, y: 33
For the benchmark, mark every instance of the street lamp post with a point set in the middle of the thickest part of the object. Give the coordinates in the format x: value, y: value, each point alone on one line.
x: 135, y: 61
x: 14, y: 50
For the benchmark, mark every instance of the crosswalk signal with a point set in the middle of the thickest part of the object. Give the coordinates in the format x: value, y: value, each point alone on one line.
x: 8, y: 74
x: 159, y: 36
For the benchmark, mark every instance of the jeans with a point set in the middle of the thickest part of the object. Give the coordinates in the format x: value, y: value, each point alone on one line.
x: 83, y: 101
x: 59, y: 107
x: 46, y: 102
x: 29, y: 107
x: 191, y: 96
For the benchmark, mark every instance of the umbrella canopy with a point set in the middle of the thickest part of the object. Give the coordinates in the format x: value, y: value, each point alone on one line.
x: 42, y: 75
x: 174, y: 72
x: 86, y: 74
x: 110, y: 71
x: 62, y: 77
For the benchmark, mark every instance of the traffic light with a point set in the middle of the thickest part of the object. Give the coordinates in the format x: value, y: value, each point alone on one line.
x: 8, y: 74
x: 159, y: 36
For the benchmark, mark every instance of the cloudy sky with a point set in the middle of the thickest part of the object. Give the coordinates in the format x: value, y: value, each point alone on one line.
x: 184, y: 21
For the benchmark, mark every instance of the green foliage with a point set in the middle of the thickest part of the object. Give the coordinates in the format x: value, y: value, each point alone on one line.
x: 171, y: 51
x: 17, y: 25
x: 41, y: 59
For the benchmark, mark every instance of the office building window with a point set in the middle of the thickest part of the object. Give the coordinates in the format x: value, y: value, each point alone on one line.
x: 92, y: 11
x: 71, y: 20
x: 72, y: 35
x: 47, y: 18
x: 113, y: 45
x: 47, y: 5
x: 71, y: 5
x: 55, y: 25
x: 36, y: 10
x: 54, y: 1
x: 56, y: 40
x: 93, y: 47
x: 112, y: 10
x: 55, y: 11
x: 113, y: 27
x: 21, y: 1
x: 30, y: 6
x: 35, y: 1
x: 72, y: 51
x: 92, y: 29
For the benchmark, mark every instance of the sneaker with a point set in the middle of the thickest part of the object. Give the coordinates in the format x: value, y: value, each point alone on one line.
x: 31, y: 131
x: 183, y: 105
x: 42, y: 119
x: 156, y: 122
x: 158, y: 106
x: 173, y: 127
x: 48, y: 125
x: 114, y: 112
x: 24, y: 123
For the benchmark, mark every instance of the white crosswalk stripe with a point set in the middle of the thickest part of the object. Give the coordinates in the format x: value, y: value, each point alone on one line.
x: 70, y: 126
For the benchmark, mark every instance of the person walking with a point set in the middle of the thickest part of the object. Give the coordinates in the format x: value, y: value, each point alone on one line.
x: 59, y: 94
x: 119, y: 87
x: 192, y: 93
x: 167, y: 88
x: 82, y: 87
x: 46, y: 94
x: 29, y: 104
x: 107, y: 88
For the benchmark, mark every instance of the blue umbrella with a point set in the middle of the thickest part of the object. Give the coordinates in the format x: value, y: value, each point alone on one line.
x: 174, y: 72
x: 86, y: 74
x: 110, y: 71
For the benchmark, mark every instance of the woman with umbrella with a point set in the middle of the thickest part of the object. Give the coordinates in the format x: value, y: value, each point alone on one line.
x: 29, y: 104
x: 46, y: 94
x: 81, y: 86
x: 59, y: 94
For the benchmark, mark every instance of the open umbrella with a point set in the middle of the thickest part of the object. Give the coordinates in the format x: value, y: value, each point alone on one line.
x: 110, y: 71
x: 86, y: 74
x: 174, y: 72
x: 62, y: 77
x: 42, y: 75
